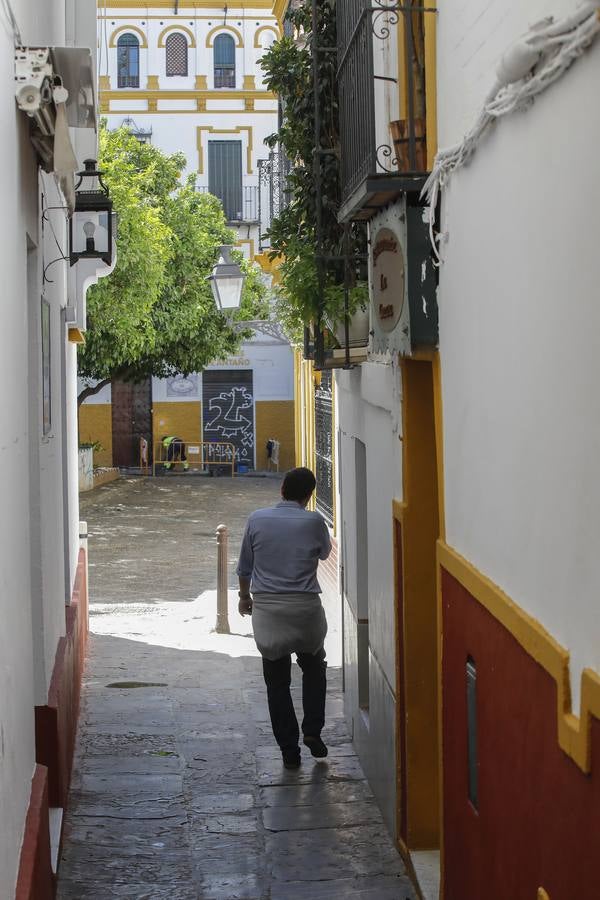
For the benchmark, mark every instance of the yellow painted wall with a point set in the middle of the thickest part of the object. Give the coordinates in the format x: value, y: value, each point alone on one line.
x: 95, y: 424
x: 419, y: 516
x: 183, y: 418
x: 275, y: 419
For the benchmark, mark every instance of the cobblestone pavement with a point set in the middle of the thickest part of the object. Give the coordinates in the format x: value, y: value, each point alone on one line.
x: 178, y: 790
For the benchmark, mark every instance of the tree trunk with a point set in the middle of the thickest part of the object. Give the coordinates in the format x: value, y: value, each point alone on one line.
x: 90, y: 391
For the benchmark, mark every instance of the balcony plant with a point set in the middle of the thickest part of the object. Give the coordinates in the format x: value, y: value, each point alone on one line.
x: 293, y: 235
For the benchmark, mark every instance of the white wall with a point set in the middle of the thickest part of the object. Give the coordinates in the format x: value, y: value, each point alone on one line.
x: 272, y: 365
x: 104, y: 395
x: 471, y: 38
x: 32, y: 557
x: 369, y: 410
x: 519, y: 325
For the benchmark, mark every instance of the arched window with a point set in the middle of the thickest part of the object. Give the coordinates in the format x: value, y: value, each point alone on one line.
x: 128, y: 61
x: 224, y: 50
x: 176, y: 50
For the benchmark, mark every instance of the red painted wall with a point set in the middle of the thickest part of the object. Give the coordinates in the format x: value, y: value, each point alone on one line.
x: 538, y: 823
x: 35, y: 881
x: 56, y: 722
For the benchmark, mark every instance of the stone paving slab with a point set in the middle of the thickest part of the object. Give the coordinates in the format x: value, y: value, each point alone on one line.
x: 178, y: 789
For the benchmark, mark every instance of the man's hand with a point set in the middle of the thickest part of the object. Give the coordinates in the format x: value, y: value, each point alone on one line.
x: 245, y: 604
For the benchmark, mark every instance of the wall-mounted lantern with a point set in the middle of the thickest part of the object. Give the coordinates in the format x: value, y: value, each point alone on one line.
x: 91, y: 225
x: 227, y: 281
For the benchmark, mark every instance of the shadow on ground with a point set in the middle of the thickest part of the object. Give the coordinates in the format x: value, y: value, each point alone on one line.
x: 179, y: 790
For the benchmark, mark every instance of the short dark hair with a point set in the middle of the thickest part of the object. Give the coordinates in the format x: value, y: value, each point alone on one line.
x: 298, y: 484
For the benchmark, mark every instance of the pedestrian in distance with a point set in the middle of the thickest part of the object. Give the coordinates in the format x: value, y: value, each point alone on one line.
x: 277, y: 570
x: 175, y: 448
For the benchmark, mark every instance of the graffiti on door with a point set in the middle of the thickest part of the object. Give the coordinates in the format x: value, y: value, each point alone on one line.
x: 229, y: 414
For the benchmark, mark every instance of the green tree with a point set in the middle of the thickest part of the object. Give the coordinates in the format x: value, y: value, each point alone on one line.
x: 288, y: 67
x: 155, y: 314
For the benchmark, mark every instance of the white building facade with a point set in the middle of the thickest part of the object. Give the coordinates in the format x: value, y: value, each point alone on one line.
x: 42, y: 561
x: 187, y: 77
x: 467, y: 514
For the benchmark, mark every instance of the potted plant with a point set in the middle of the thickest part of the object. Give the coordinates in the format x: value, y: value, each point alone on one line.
x: 358, y: 314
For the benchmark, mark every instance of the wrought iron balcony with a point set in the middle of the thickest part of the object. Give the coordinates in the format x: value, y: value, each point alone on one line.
x: 240, y: 202
x: 380, y: 159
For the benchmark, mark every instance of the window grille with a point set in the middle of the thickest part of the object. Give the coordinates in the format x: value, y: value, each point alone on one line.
x: 224, y: 61
x: 176, y: 51
x: 128, y: 61
x: 324, y: 446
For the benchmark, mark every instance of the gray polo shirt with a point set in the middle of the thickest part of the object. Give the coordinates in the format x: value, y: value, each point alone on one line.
x: 281, y: 549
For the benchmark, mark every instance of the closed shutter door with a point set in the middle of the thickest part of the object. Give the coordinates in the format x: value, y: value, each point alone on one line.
x: 225, y: 176
x: 228, y: 411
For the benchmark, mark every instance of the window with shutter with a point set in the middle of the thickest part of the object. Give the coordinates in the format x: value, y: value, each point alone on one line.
x: 176, y: 51
x: 128, y: 61
x: 225, y: 176
x: 224, y: 61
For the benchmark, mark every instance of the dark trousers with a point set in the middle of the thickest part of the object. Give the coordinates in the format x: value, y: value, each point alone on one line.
x: 278, y: 677
x: 176, y: 451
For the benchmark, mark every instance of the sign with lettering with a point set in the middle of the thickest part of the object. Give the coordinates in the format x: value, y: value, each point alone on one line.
x: 388, y: 276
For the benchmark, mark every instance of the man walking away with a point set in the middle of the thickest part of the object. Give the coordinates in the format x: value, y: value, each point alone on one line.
x: 280, y: 553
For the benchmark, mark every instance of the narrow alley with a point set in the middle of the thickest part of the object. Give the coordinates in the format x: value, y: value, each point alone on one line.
x: 178, y: 787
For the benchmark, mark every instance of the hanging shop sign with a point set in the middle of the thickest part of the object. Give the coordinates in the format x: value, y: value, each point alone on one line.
x: 388, y: 278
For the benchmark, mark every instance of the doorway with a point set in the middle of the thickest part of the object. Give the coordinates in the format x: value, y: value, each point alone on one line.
x: 228, y: 411
x: 416, y: 531
x: 131, y: 420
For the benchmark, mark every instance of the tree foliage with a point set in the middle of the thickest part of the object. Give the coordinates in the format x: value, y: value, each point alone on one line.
x: 288, y: 65
x: 155, y: 314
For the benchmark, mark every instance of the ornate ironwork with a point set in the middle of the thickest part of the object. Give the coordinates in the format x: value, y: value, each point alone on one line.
x: 273, y: 191
x: 249, y: 202
x: 385, y: 152
x: 394, y: 11
x: 364, y: 153
x: 324, y: 446
x: 144, y: 135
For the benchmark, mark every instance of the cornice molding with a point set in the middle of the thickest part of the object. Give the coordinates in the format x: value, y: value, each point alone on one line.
x: 276, y: 31
x: 124, y: 29
x: 174, y: 28
x: 227, y: 29
x: 186, y: 4
x: 166, y: 94
x: 199, y: 111
x: 280, y: 8
x: 210, y: 129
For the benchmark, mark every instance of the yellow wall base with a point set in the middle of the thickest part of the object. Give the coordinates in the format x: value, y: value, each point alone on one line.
x: 95, y: 424
x: 183, y: 419
x: 275, y: 419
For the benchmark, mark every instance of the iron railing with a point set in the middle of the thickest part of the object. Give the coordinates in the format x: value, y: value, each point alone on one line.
x: 356, y: 94
x: 324, y: 446
x: 361, y: 23
x: 238, y: 205
x: 273, y: 191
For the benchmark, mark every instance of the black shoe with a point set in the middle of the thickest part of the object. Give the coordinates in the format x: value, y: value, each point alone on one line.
x: 316, y: 746
x: 291, y: 758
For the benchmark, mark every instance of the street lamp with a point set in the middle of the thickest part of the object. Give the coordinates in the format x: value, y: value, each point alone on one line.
x: 91, y: 225
x: 227, y: 281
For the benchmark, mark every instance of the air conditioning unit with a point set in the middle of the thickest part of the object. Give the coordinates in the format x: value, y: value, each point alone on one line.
x: 50, y: 78
x: 402, y: 280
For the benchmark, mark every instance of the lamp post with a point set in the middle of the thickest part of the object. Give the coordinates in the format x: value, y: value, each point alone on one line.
x: 227, y: 281
x: 91, y: 225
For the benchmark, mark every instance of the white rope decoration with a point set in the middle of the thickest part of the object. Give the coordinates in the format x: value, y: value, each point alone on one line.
x: 528, y: 67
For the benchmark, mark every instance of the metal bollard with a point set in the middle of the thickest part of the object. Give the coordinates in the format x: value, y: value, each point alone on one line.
x: 222, y: 581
